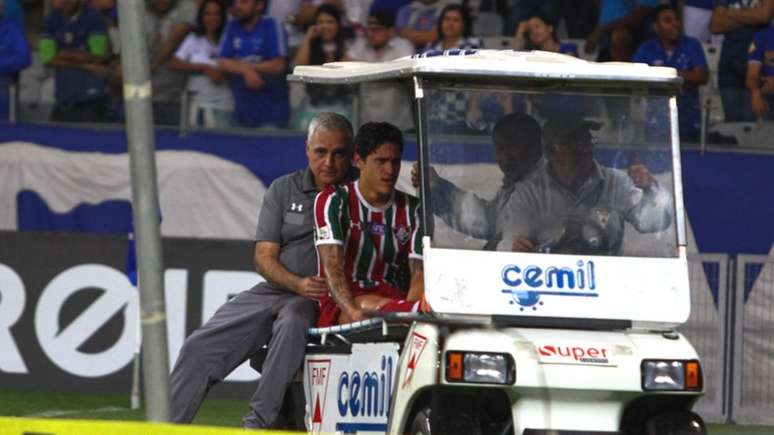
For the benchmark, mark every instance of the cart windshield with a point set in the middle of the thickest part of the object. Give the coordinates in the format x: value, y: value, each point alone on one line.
x: 565, y: 173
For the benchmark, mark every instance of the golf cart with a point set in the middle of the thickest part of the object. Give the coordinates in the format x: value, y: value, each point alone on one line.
x: 576, y: 336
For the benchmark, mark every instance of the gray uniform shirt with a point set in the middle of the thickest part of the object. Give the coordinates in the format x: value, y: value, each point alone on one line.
x: 609, y: 198
x: 286, y: 219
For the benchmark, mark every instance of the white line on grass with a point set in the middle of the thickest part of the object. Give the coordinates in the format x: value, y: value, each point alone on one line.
x: 62, y: 412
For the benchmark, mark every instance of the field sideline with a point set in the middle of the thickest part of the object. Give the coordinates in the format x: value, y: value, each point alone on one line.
x: 214, y: 412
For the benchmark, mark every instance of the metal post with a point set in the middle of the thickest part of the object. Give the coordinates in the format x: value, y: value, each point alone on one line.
x: 424, y: 159
x: 185, y: 112
x: 13, y: 103
x: 139, y: 128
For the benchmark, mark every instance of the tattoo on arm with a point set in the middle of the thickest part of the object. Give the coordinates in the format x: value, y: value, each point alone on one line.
x: 332, y: 257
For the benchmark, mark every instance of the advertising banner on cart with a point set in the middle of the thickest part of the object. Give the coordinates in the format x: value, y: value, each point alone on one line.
x: 69, y: 314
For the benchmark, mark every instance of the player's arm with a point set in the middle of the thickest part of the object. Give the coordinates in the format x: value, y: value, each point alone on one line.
x: 417, y: 286
x: 329, y: 218
x: 267, y: 263
x: 332, y: 257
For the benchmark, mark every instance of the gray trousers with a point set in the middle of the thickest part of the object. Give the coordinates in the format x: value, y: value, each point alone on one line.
x: 236, y: 331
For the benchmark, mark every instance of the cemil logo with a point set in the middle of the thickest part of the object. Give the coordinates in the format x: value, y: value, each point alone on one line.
x: 526, y: 285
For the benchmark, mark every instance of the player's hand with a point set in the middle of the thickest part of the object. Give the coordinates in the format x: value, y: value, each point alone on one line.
x: 313, y: 287
x: 356, y: 315
x: 253, y: 80
x: 522, y: 244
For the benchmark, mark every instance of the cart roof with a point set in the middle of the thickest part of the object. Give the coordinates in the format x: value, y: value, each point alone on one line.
x: 490, y: 65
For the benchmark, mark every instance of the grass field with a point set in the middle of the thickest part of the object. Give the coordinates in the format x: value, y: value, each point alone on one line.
x: 214, y: 412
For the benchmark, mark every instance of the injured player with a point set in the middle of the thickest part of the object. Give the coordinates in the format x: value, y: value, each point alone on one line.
x: 368, y: 235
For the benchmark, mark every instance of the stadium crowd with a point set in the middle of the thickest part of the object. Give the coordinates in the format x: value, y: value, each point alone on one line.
x: 230, y: 58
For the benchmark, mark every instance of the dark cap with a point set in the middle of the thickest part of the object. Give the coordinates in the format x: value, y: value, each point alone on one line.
x: 568, y: 129
x: 382, y: 17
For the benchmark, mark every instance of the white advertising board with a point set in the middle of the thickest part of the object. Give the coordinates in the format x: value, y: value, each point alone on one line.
x: 350, y: 393
x: 652, y: 290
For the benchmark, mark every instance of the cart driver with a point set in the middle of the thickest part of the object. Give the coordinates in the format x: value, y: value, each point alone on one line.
x: 518, y: 152
x: 574, y: 205
x: 368, y: 235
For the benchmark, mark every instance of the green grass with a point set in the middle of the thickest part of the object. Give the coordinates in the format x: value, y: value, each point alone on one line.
x: 214, y: 412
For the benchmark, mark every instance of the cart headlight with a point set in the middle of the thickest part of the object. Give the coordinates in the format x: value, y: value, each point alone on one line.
x: 671, y: 375
x: 480, y: 368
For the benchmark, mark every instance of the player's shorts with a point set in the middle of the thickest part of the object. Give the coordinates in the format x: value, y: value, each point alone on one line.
x: 330, y: 311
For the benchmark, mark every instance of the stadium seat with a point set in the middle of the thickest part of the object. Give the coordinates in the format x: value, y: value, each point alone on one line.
x: 488, y: 24
x: 749, y: 134
x: 712, y: 52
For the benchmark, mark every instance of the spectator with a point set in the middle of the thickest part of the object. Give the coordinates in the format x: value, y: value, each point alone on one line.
x: 253, y: 52
x: 14, y: 13
x: 167, y: 23
x: 454, y: 29
x: 75, y: 44
x: 212, y: 104
x: 760, y: 73
x: 685, y: 54
x: 417, y: 20
x: 522, y: 10
x: 622, y: 25
x: 537, y: 33
x: 14, y: 57
x: 381, y: 44
x: 107, y: 10
x: 323, y: 43
x: 738, y: 21
x: 696, y: 19
x: 451, y: 108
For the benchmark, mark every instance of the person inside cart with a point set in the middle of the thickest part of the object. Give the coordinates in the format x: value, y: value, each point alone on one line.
x: 368, y: 235
x: 518, y: 152
x: 574, y: 205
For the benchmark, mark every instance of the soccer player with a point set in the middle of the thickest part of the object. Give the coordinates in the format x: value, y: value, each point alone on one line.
x: 368, y: 235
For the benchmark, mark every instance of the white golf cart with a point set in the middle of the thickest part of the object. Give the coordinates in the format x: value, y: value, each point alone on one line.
x: 577, y: 336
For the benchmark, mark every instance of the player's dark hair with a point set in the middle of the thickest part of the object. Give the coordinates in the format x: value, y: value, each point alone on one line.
x: 520, y: 129
x: 373, y: 134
